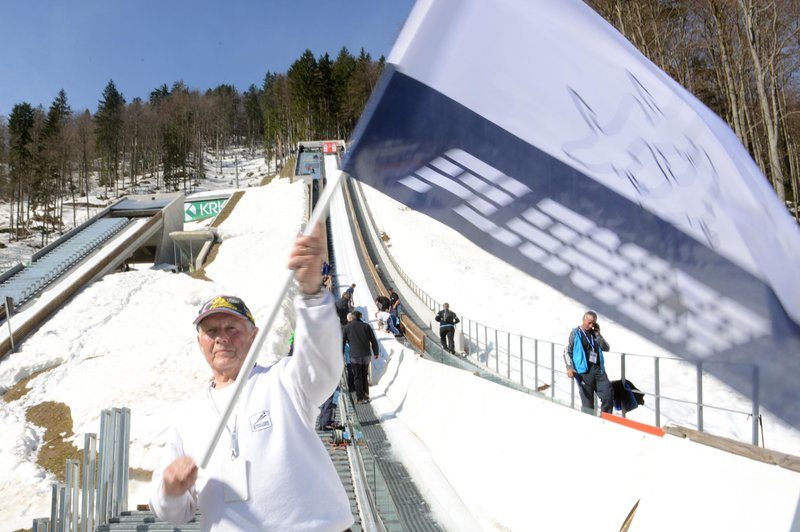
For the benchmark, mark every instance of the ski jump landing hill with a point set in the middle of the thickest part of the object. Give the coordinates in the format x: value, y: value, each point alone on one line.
x: 133, y: 229
x: 521, y: 462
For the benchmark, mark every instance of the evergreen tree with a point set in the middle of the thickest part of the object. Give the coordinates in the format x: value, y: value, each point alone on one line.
x: 304, y: 87
x: 3, y: 157
x: 346, y: 110
x: 254, y: 116
x: 326, y: 99
x: 159, y: 94
x: 20, y: 131
x: 54, y: 152
x: 275, y: 109
x: 109, y: 134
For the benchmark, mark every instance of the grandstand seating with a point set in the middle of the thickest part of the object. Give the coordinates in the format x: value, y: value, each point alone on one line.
x: 32, y: 279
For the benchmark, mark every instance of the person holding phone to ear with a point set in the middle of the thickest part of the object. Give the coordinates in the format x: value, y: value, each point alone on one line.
x: 583, y: 356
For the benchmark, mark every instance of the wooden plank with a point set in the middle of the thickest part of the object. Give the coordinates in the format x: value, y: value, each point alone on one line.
x: 746, y: 450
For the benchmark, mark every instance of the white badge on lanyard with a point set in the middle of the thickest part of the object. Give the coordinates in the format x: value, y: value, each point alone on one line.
x: 234, y: 477
x: 593, y: 357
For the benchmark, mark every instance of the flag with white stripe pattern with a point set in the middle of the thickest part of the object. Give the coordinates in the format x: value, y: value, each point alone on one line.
x: 537, y: 131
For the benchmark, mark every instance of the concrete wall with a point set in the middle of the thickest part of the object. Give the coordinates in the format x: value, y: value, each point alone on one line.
x: 524, y: 463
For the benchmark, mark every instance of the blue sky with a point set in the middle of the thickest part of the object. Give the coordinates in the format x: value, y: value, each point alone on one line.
x: 46, y: 45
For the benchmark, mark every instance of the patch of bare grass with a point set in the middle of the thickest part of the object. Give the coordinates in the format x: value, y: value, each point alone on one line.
x: 228, y: 209
x: 288, y: 168
x: 21, y: 388
x: 143, y: 475
x: 56, y: 420
x: 201, y: 272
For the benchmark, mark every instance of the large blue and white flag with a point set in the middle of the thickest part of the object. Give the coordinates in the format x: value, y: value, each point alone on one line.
x: 539, y: 132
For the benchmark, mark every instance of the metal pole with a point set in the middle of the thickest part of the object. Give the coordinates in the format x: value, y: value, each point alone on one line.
x: 572, y: 393
x: 320, y: 211
x: 700, y: 395
x: 62, y: 508
x: 54, y: 506
x: 469, y: 333
x: 125, y: 448
x: 72, y: 480
x: 521, y: 362
x: 104, y: 460
x: 756, y: 404
x: 622, y: 377
x: 76, y: 495
x: 116, y: 463
x: 508, y: 346
x: 552, y: 371
x: 496, y: 353
x: 88, y: 482
x: 535, y: 363
x: 658, y: 391
x: 9, y: 309
x: 236, y: 164
x: 486, y: 343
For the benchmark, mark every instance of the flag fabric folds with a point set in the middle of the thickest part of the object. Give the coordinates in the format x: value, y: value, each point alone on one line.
x: 536, y: 130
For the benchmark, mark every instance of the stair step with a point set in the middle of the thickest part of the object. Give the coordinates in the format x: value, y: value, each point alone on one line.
x: 143, y: 521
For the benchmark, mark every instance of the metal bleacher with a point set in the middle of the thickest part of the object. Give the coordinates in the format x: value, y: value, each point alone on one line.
x: 31, y: 280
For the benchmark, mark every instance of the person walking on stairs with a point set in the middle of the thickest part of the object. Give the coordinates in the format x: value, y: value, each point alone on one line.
x: 447, y: 327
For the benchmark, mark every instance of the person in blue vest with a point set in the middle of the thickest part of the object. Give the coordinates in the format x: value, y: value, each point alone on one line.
x: 584, y: 359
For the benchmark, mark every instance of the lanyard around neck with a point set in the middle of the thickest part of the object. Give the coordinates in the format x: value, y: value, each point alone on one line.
x: 589, y: 339
x: 234, y: 434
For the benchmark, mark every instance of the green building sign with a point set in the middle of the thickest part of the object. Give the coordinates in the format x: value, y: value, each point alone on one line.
x: 199, y: 210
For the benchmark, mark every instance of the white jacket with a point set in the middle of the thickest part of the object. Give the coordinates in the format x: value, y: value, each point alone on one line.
x: 292, y: 482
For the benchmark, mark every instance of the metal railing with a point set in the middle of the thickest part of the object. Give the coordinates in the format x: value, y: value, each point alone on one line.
x: 95, y: 488
x: 538, y: 365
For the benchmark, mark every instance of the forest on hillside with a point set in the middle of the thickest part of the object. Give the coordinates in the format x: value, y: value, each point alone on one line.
x: 740, y: 57
x: 49, y: 156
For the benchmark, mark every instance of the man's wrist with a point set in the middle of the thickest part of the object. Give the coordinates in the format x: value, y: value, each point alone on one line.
x: 318, y: 294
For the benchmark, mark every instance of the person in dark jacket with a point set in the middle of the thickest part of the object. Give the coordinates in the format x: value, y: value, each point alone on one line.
x: 382, y: 302
x: 447, y: 327
x: 583, y: 356
x: 363, y: 343
x: 327, y: 412
x: 343, y: 308
x: 350, y: 290
x: 394, y: 303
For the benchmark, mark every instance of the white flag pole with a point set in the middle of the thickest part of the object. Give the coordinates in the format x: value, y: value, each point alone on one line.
x: 319, y: 213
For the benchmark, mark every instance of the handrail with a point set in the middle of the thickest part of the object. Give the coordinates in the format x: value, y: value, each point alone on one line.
x: 369, y: 512
x: 488, y: 352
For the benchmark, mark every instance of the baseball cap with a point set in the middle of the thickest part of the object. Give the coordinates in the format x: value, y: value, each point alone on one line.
x: 224, y: 305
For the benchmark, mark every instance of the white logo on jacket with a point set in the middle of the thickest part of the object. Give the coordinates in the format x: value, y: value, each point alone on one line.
x: 260, y: 421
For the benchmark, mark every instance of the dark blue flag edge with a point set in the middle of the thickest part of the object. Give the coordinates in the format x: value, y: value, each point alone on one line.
x: 580, y: 237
